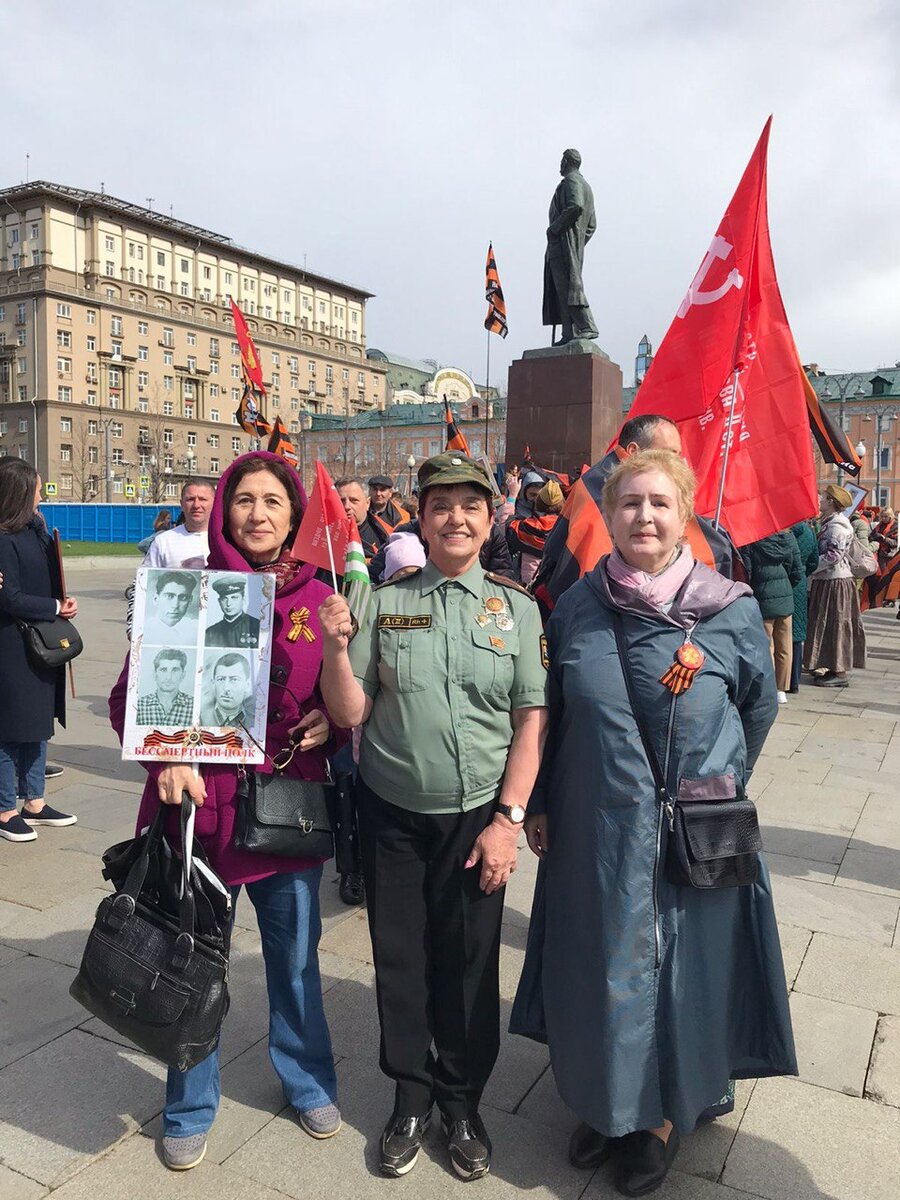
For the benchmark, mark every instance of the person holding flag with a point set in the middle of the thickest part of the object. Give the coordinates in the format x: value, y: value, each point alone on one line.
x: 448, y: 677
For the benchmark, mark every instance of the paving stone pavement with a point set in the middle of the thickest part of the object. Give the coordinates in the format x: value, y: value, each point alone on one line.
x: 79, y: 1109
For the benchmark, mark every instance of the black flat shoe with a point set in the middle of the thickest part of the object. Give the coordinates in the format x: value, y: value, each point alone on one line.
x: 838, y: 681
x: 469, y: 1146
x: 588, y: 1148
x: 401, y: 1142
x: 352, y: 890
x: 643, y: 1162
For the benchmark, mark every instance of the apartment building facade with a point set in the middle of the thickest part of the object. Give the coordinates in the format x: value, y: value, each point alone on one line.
x: 119, y: 369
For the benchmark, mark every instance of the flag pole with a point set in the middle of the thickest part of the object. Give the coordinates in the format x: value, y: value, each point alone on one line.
x: 729, y: 433
x: 487, y: 392
x: 331, y: 557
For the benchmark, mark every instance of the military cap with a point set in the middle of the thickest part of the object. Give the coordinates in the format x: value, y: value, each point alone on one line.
x: 380, y: 481
x: 453, y: 467
x: 224, y: 586
x: 839, y: 494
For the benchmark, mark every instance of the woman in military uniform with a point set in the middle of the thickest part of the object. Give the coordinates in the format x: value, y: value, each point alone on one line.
x: 448, y: 675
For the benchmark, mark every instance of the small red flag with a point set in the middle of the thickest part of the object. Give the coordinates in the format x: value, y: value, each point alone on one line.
x: 324, y: 512
x: 249, y: 353
x: 731, y: 335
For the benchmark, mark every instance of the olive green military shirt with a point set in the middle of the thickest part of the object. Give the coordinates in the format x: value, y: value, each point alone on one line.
x: 446, y: 661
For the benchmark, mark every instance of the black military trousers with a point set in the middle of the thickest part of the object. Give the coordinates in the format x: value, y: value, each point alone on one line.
x: 436, y: 945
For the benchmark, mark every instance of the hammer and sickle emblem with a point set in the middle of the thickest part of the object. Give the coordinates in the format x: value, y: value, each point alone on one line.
x: 719, y: 248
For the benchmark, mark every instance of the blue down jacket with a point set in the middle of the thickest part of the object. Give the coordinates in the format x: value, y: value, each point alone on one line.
x: 650, y: 996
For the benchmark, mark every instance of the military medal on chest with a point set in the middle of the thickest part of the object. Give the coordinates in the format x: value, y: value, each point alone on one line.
x: 495, y: 610
x: 688, y: 661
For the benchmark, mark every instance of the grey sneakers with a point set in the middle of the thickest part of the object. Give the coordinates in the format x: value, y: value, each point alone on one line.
x: 321, y: 1122
x: 182, y: 1153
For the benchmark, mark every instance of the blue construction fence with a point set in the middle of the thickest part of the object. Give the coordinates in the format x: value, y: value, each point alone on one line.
x: 104, y: 522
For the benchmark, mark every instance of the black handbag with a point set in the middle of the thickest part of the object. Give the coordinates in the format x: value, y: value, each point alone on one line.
x: 51, y: 643
x: 714, y: 840
x: 155, y: 967
x: 285, y: 816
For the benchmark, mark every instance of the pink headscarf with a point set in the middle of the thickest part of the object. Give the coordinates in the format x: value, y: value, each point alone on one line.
x: 656, y: 589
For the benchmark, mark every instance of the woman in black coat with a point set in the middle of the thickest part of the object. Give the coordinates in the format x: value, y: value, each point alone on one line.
x: 31, y: 696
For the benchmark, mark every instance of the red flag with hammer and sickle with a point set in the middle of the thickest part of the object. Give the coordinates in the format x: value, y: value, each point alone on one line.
x: 729, y: 375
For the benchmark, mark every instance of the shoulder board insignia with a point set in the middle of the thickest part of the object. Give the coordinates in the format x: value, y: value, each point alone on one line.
x: 509, y: 583
x: 394, y: 582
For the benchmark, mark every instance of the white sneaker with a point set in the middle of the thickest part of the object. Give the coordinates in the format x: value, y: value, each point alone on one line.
x: 782, y: 697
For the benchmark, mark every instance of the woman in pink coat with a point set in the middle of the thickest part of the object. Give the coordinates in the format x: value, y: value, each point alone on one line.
x: 257, y: 510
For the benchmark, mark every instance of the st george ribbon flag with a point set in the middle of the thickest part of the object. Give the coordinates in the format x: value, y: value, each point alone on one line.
x: 456, y: 439
x: 323, y: 521
x: 280, y: 443
x: 728, y: 373
x: 495, y: 321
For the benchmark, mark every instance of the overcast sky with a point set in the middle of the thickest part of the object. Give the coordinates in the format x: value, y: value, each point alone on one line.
x: 385, y: 142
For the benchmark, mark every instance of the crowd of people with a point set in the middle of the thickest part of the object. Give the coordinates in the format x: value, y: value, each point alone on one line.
x: 592, y: 671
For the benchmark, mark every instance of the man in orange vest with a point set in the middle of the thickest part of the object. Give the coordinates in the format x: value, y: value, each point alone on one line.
x: 580, y: 537
x: 382, y: 509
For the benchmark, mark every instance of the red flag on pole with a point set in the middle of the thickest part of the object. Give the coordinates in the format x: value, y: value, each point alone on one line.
x: 323, y: 513
x: 249, y: 354
x: 729, y: 375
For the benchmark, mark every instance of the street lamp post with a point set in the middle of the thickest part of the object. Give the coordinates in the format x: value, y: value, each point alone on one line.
x: 883, y: 415
x: 411, y: 462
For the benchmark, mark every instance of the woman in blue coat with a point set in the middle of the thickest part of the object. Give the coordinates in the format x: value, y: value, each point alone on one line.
x: 31, y: 696
x: 651, y: 996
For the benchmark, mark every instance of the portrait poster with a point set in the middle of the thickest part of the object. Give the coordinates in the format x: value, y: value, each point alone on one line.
x: 198, y: 672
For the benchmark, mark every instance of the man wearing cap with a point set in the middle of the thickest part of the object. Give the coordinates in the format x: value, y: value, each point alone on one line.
x: 382, y: 508
x: 448, y: 675
x: 237, y: 629
x: 372, y: 533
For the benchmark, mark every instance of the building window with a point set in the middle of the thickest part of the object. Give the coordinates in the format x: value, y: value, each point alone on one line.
x: 64, y: 310
x: 191, y: 364
x: 63, y: 366
x: 91, y: 398
x: 143, y: 328
x: 115, y: 326
x: 235, y: 348
x: 118, y: 455
x: 213, y: 466
x: 329, y: 389
x: 235, y: 394
x: 91, y: 374
x: 65, y: 424
x: 117, y: 350
x: 90, y: 316
x: 143, y: 379
x: 213, y: 440
x: 22, y: 365
x: 168, y: 408
x: 235, y: 371
x: 64, y: 394
x: 23, y: 425
x: 65, y: 453
x: 161, y: 282
x: 20, y: 314
x: 213, y: 390
x: 115, y: 377
x: 168, y: 437
x: 21, y: 337
x: 213, y: 347
x: 236, y: 444
x: 192, y: 437
x: 93, y: 454
x: 91, y: 343
x: 64, y: 338
x: 214, y: 416
x: 329, y: 373
x: 188, y: 389
x: 116, y: 429
x: 143, y: 353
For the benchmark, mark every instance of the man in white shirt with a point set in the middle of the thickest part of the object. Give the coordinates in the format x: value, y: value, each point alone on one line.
x: 186, y: 545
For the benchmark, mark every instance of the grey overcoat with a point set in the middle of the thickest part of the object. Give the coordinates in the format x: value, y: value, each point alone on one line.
x: 651, y: 996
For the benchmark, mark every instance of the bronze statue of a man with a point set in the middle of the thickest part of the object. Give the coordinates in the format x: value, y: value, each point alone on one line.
x: 572, y: 225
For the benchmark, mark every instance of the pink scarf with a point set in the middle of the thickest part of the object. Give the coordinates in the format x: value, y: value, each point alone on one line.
x: 656, y: 589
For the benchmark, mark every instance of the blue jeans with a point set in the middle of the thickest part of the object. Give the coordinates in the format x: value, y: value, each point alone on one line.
x: 287, y: 908
x: 22, y: 767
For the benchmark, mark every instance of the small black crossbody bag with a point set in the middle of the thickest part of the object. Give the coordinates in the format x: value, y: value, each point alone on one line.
x: 714, y: 841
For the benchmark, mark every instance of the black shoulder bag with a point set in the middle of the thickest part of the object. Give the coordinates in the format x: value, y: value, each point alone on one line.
x: 285, y: 816
x: 50, y: 643
x: 155, y: 967
x: 713, y: 843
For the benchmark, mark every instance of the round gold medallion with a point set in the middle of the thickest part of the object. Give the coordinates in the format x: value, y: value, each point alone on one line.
x: 494, y: 605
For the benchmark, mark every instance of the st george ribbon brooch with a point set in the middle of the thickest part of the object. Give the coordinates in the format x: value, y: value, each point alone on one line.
x: 680, y: 676
x: 300, y: 626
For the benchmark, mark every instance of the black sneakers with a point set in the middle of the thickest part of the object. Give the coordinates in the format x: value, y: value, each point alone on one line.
x: 17, y: 830
x: 53, y: 771
x: 401, y: 1142
x: 469, y: 1146
x: 47, y: 816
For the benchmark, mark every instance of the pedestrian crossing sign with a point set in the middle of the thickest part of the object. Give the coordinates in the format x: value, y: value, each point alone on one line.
x: 49, y: 489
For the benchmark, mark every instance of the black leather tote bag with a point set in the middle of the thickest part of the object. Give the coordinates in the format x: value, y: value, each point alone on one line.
x: 155, y: 967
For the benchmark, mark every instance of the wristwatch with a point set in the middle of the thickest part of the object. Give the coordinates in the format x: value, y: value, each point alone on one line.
x: 513, y: 812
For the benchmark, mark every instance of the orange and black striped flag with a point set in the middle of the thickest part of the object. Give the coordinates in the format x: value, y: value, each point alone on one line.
x: 248, y: 415
x: 833, y: 442
x: 456, y: 439
x: 495, y: 321
x: 280, y: 443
